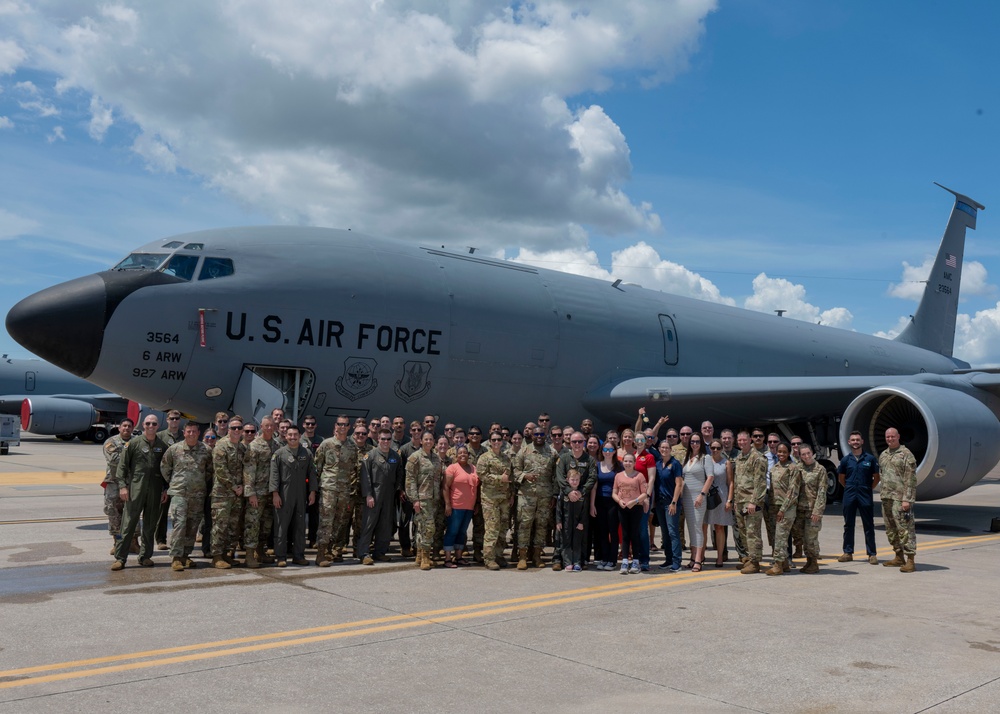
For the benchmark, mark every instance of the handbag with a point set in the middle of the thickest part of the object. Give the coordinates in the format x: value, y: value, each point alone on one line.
x: 714, y: 499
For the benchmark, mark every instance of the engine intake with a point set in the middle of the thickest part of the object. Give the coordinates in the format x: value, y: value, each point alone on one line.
x: 954, y: 436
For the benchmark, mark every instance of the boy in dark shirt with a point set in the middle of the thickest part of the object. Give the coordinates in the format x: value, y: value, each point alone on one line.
x: 571, y: 522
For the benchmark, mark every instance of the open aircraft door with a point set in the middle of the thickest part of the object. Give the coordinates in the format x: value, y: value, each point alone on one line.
x: 255, y: 396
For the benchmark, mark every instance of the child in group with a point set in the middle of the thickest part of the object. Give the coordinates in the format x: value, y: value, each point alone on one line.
x: 571, y: 522
x: 633, y: 503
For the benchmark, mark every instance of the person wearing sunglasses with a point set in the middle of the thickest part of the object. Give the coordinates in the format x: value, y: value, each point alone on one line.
x: 173, y: 434
x: 495, y: 476
x: 697, y: 481
x: 720, y: 517
x: 604, y: 509
x: 534, y: 472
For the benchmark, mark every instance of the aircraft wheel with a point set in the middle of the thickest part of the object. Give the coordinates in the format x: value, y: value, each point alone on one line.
x: 98, y: 435
x: 834, y: 491
x: 65, y: 437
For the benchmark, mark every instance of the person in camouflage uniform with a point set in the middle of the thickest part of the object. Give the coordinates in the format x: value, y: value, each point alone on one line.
x: 113, y: 503
x: 495, y: 476
x: 534, y: 472
x: 423, y: 484
x: 259, y: 516
x: 338, y: 465
x: 476, y: 449
x: 445, y: 454
x: 812, y: 503
x: 227, y: 493
x: 169, y: 436
x: 786, y: 481
x: 899, y: 490
x: 749, y: 485
x: 141, y: 487
x: 186, y: 468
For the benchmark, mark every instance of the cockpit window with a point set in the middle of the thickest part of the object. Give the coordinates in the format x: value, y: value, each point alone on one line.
x: 182, y: 266
x: 194, y: 246
x: 141, y: 261
x: 216, y: 268
x: 173, y: 244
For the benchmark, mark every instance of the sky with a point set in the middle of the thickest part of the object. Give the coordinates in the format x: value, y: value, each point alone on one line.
x: 767, y: 154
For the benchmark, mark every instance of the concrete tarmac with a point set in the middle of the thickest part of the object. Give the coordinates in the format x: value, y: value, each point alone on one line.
x: 390, y: 638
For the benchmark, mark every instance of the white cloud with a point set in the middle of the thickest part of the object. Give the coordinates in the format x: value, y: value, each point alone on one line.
x: 914, y: 280
x: 11, y: 56
x: 157, y: 155
x: 13, y: 225
x: 770, y: 294
x: 977, y: 338
x: 100, y: 119
x: 57, y: 135
x: 413, y: 118
x: 894, y: 331
x: 6, y: 123
x: 41, y: 108
x: 639, y: 264
x: 28, y: 87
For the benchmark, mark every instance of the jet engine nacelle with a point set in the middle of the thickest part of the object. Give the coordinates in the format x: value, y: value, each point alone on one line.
x: 54, y: 416
x: 954, y: 436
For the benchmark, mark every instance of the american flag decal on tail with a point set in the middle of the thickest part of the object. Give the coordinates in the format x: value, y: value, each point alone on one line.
x: 950, y: 260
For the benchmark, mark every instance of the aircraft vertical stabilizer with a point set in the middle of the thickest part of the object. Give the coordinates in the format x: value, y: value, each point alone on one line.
x: 933, y: 324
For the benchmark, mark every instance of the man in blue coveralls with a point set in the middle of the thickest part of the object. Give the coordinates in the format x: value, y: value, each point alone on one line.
x: 858, y: 474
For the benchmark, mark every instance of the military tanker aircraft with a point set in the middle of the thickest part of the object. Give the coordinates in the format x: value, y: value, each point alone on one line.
x: 328, y: 321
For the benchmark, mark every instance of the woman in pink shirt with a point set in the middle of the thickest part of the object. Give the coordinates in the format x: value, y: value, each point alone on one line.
x: 633, y: 502
x: 460, y: 484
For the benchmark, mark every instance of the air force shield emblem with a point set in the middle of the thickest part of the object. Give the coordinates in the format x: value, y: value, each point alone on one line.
x: 358, y: 379
x: 414, y: 382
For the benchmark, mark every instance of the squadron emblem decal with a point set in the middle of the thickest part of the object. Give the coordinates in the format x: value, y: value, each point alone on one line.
x: 414, y: 383
x: 358, y: 379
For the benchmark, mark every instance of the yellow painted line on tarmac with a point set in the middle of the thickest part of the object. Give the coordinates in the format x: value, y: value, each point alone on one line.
x: 261, y: 643
x: 51, y: 478
x: 344, y: 630
x: 29, y: 521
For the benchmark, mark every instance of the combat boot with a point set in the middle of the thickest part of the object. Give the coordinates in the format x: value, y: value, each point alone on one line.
x: 118, y: 565
x: 777, y: 568
x: 536, y: 557
x: 323, y: 559
x: 188, y: 563
x: 134, y: 548
x: 501, y: 561
x: 895, y: 562
x: 786, y: 565
x: 798, y: 551
x: 220, y: 563
x: 752, y: 566
x: 252, y: 561
x: 177, y: 565
x: 338, y: 555
x: 909, y: 566
x: 492, y: 565
x: 522, y: 559
x: 811, y: 566
x: 114, y: 544
x: 557, y: 565
x: 425, y: 559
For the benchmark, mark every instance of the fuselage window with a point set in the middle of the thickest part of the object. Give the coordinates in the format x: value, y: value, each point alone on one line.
x: 216, y: 268
x: 173, y: 244
x: 182, y: 266
x: 141, y: 261
x: 194, y: 246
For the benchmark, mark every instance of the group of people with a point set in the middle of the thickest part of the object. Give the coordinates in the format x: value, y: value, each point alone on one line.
x: 274, y: 491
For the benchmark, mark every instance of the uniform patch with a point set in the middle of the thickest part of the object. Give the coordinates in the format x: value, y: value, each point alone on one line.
x: 358, y: 379
x: 414, y: 383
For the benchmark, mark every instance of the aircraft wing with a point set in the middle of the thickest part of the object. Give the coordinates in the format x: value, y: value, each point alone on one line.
x: 735, y: 400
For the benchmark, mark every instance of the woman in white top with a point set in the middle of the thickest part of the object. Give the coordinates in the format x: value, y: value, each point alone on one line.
x: 696, y: 484
x: 720, y: 516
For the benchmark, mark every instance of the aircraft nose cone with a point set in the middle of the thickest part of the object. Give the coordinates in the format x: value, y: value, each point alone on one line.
x: 63, y: 324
